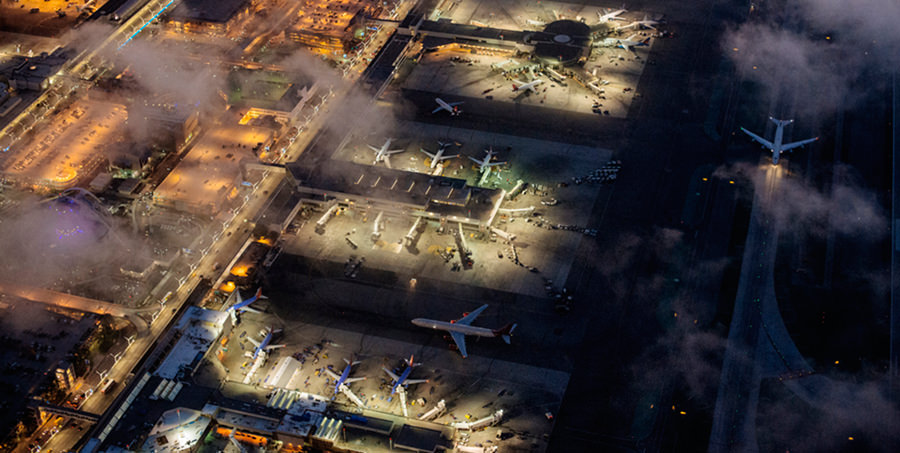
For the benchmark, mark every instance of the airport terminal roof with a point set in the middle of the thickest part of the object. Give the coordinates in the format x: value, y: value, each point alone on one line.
x: 200, y: 328
x: 206, y: 176
x: 207, y: 10
x: 472, y: 32
x: 419, y: 439
x: 436, y: 195
x: 561, y: 42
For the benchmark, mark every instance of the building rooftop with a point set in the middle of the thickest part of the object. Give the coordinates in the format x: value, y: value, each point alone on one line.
x: 176, y: 430
x: 219, y: 11
x: 437, y: 196
x: 419, y: 439
x: 209, y: 174
x: 200, y: 328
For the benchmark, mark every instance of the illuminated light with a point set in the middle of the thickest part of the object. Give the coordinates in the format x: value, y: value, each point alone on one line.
x: 735, y: 49
x: 754, y: 67
x: 227, y: 287
x: 683, y: 413
x: 240, y: 271
x: 706, y: 179
x: 730, y: 182
x: 828, y: 37
x: 837, y: 362
x: 264, y: 240
x: 850, y: 438
x: 676, y: 314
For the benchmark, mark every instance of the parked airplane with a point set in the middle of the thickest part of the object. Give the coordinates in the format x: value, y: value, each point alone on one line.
x: 244, y: 305
x: 452, y: 107
x: 611, y: 15
x: 460, y: 328
x: 403, y: 380
x: 777, y: 147
x: 382, y: 154
x: 644, y: 23
x: 264, y: 346
x: 527, y: 86
x: 439, y: 155
x: 629, y: 43
x: 486, y: 164
x: 344, y: 378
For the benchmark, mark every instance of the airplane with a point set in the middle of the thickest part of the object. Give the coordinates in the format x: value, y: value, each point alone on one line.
x: 777, y: 147
x: 381, y: 154
x: 629, y: 43
x: 244, y: 305
x: 611, y: 15
x: 644, y: 23
x: 460, y: 328
x: 486, y: 164
x: 344, y: 378
x: 439, y: 155
x: 526, y: 86
x: 264, y: 346
x: 403, y: 380
x: 451, y: 107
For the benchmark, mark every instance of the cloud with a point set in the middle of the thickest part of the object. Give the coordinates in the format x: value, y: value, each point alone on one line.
x: 821, y: 74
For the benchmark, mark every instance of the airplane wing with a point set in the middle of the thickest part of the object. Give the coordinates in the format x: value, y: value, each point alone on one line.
x: 790, y: 146
x: 414, y: 381
x: 494, y: 164
x: 387, y: 160
x: 332, y: 374
x: 474, y: 160
x: 391, y: 374
x: 427, y: 153
x: 251, y: 310
x: 374, y: 148
x: 623, y: 27
x: 759, y: 139
x: 454, y: 104
x: 274, y: 346
x: 460, y: 340
x: 353, y: 379
x: 394, y: 151
x: 440, y: 107
x: 467, y: 320
x: 255, y: 342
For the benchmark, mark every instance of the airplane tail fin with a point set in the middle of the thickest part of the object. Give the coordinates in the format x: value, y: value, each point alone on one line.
x: 646, y: 42
x: 259, y: 294
x: 505, y: 332
x: 515, y: 87
x: 780, y: 122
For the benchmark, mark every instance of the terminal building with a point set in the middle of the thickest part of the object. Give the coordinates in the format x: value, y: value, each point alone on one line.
x: 209, y: 177
x: 366, y: 187
x: 332, y: 27
x: 208, y: 17
x: 560, y: 43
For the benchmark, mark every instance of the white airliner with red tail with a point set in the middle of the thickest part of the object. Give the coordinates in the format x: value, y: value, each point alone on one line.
x: 460, y: 328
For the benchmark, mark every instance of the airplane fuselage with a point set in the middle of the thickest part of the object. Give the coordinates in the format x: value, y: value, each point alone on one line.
x: 401, y: 379
x: 262, y: 345
x: 453, y: 327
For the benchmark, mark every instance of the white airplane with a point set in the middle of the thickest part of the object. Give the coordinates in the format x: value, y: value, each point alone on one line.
x: 439, y: 155
x: 452, y: 107
x: 777, y: 147
x: 526, y: 86
x: 344, y: 377
x: 461, y: 327
x: 644, y: 23
x: 611, y: 15
x: 403, y: 380
x: 629, y: 43
x: 382, y: 154
x: 263, y: 346
x: 486, y: 164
